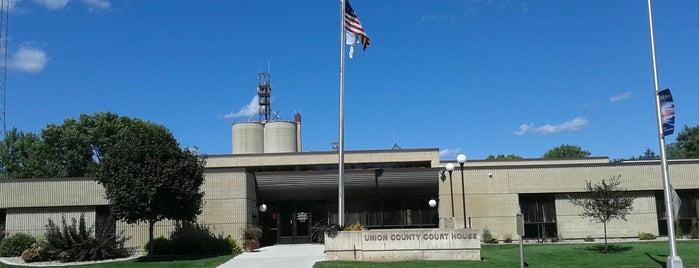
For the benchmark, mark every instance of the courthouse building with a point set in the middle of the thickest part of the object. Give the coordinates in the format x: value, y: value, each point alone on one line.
x: 384, y: 189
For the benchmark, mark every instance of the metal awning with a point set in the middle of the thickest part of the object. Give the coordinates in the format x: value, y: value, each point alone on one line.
x: 321, y: 185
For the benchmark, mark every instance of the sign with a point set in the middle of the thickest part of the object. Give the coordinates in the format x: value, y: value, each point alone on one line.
x: 302, y: 217
x: 520, y: 224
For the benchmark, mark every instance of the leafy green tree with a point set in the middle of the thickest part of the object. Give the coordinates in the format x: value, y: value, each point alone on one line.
x: 604, y: 202
x: 566, y: 151
x: 21, y: 156
x: 687, y: 141
x: 148, y: 178
x: 503, y: 157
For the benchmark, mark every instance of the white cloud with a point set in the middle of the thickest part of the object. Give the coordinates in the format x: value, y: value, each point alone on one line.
x: 52, y: 4
x: 620, y: 97
x: 93, y: 5
x: 572, y: 125
x: 29, y: 60
x: 449, y: 153
x: 245, y: 111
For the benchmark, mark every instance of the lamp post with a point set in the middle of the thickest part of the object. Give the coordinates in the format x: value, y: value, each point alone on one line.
x: 450, y: 168
x: 461, y: 158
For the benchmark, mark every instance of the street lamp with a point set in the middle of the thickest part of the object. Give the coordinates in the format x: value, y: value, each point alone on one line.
x: 450, y: 168
x: 461, y: 158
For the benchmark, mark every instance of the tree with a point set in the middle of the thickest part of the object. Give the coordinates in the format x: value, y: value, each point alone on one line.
x: 566, y: 151
x: 148, y: 178
x: 604, y: 202
x: 687, y: 142
x: 503, y: 157
x: 21, y: 156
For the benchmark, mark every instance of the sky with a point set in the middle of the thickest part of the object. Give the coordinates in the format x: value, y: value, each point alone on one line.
x: 478, y: 77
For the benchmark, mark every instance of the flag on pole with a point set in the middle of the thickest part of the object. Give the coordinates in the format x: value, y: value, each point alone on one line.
x: 354, y: 33
x: 676, y: 202
x: 667, y: 112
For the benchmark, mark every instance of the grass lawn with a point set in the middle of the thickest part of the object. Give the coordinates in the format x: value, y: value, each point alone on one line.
x: 634, y: 254
x: 177, y: 261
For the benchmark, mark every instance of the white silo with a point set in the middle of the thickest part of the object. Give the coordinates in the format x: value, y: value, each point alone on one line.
x: 248, y: 138
x: 280, y: 137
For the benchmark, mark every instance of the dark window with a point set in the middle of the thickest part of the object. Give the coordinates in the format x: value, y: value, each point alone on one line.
x: 392, y: 213
x: 539, y: 211
x: 688, y: 210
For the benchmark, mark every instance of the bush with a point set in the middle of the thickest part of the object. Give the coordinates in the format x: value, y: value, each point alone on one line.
x: 14, y: 245
x: 488, y: 237
x: 646, y: 236
x: 507, y: 238
x: 235, y: 246
x: 75, y: 242
x: 589, y: 239
x: 694, y: 230
x: 191, y: 238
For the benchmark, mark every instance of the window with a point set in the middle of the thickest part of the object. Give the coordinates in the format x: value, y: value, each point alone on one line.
x: 688, y: 210
x: 539, y: 211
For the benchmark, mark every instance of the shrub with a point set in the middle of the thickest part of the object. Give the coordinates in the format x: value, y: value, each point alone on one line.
x: 235, y: 246
x: 507, y: 238
x: 252, y: 232
x: 694, y: 231
x: 488, y: 237
x: 191, y: 238
x: 589, y: 239
x: 646, y: 236
x: 321, y: 227
x: 75, y: 242
x: 14, y: 245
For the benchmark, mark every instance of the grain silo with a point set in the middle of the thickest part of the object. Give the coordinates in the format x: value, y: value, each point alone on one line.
x: 280, y: 137
x: 268, y: 135
x: 248, y: 138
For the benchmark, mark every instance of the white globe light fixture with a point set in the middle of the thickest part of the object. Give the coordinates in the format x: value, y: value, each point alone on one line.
x: 263, y: 208
x: 461, y: 158
x: 450, y: 167
x: 432, y: 203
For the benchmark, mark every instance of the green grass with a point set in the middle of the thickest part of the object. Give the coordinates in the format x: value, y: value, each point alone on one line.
x: 160, y: 262
x: 636, y: 254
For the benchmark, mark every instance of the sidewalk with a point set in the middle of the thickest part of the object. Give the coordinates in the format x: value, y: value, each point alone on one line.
x: 287, y: 256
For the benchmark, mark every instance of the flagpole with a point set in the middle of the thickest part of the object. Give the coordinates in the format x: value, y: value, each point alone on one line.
x: 341, y: 147
x: 673, y: 260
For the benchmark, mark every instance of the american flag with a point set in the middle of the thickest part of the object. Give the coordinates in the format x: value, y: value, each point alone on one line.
x: 353, y: 25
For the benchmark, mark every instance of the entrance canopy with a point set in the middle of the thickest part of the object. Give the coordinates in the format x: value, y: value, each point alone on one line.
x: 367, y: 183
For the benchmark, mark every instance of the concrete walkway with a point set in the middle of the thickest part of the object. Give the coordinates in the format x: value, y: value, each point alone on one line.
x: 287, y: 256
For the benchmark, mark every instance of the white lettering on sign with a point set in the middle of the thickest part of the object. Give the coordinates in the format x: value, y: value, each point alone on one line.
x: 302, y: 217
x: 419, y: 236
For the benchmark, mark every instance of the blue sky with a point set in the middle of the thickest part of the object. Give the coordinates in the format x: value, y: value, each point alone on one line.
x: 479, y: 77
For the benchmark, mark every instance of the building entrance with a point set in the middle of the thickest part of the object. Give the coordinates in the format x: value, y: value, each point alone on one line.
x: 294, y: 223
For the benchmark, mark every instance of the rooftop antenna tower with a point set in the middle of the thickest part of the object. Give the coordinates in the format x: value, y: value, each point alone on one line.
x: 264, y: 90
x: 4, y: 19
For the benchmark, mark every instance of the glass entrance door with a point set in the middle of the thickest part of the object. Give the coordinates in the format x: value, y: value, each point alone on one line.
x: 294, y: 223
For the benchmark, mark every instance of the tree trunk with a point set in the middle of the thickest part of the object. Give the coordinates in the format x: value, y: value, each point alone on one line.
x: 605, y: 237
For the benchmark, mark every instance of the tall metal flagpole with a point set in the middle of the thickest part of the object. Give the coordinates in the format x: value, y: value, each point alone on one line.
x: 341, y: 147
x: 673, y: 260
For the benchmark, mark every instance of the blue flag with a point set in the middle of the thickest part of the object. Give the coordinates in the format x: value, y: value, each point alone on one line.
x: 667, y: 112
